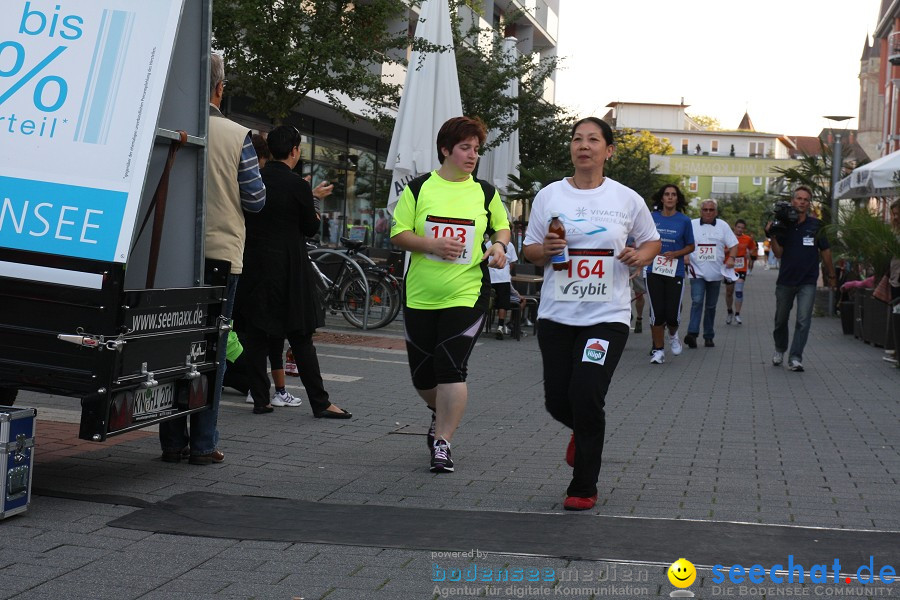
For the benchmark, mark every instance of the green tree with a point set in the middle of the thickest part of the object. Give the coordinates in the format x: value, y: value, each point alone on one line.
x: 544, y: 157
x: 710, y: 123
x: 754, y: 208
x: 484, y: 69
x: 278, y: 52
x: 630, y: 164
x: 544, y: 148
x: 865, y: 238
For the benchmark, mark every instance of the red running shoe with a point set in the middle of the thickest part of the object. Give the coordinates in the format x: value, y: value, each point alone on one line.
x: 570, y: 452
x: 290, y: 367
x: 579, y: 503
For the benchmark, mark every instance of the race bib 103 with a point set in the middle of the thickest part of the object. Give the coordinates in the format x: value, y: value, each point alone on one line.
x: 461, y: 229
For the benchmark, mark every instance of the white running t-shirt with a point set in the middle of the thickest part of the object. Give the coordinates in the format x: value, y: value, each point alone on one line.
x: 710, y: 241
x: 503, y: 275
x: 598, y: 222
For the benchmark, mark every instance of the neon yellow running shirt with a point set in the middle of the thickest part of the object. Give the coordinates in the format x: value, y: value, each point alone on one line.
x: 447, y: 208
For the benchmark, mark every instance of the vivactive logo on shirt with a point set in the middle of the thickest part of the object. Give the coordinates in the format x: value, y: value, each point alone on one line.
x: 595, y: 351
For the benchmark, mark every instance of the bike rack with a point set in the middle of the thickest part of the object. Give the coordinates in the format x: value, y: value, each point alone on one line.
x: 313, y: 254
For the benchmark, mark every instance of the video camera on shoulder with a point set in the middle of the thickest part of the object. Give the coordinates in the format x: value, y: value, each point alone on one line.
x: 782, y: 215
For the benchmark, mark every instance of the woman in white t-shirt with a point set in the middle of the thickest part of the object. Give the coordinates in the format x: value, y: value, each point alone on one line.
x: 585, y: 310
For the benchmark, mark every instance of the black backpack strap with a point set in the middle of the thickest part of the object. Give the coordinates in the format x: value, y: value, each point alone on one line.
x: 415, y: 185
x: 489, y: 192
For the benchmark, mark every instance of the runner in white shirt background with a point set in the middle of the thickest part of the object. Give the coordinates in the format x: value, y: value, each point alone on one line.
x: 501, y: 281
x: 714, y: 245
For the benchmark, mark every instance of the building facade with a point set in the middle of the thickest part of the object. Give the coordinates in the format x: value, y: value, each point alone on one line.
x: 871, y: 101
x: 712, y: 163
x: 887, y: 37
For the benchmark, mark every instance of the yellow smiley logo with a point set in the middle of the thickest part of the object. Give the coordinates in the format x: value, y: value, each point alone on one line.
x: 682, y: 573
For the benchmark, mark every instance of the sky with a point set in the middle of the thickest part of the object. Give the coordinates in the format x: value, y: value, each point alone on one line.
x: 786, y: 62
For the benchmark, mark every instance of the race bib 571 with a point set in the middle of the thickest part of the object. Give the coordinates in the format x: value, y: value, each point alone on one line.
x: 706, y: 252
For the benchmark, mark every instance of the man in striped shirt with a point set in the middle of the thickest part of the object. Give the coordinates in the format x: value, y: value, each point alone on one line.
x: 234, y: 185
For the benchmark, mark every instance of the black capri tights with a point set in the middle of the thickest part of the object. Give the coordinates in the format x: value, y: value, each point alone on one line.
x: 439, y: 342
x: 665, y: 299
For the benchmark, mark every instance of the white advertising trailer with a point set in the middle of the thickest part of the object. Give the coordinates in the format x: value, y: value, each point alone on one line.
x: 104, y: 292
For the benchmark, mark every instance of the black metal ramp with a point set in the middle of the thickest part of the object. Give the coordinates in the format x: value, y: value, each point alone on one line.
x: 572, y: 535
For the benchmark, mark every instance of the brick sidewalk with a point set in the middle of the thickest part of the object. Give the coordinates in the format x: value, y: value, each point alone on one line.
x: 715, y: 434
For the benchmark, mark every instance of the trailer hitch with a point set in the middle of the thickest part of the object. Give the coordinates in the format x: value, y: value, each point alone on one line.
x: 88, y: 340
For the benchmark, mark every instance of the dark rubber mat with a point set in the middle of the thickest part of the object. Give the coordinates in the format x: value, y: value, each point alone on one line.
x: 573, y: 535
x: 116, y: 499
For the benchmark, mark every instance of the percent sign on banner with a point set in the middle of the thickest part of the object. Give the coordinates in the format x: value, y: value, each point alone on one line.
x: 81, y: 84
x: 62, y: 88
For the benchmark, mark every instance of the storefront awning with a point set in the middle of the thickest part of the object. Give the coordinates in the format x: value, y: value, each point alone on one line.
x: 880, y: 177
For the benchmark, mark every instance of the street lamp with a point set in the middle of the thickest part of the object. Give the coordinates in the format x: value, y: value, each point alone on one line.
x: 837, y: 161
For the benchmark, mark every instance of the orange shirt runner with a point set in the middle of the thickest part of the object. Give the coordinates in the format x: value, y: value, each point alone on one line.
x: 745, y: 254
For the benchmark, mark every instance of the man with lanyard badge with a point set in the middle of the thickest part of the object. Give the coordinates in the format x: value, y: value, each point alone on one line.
x: 799, y: 250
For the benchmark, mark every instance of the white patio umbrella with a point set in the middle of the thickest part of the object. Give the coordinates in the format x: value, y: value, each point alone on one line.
x: 430, y: 97
x: 877, y: 178
x: 499, y: 162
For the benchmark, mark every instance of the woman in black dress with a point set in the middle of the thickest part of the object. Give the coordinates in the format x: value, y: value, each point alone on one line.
x: 276, y: 296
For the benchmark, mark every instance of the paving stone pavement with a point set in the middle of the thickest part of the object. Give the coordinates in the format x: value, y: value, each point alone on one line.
x: 716, y: 434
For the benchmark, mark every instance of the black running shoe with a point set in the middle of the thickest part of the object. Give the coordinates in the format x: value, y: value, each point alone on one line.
x: 440, y: 457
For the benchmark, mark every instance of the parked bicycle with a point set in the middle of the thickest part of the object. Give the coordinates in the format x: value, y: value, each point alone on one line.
x: 346, y: 292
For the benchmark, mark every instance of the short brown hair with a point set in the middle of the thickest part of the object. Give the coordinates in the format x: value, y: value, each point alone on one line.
x: 802, y: 188
x: 458, y: 129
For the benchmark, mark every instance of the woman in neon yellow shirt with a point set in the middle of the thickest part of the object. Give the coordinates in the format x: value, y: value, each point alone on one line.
x: 441, y: 219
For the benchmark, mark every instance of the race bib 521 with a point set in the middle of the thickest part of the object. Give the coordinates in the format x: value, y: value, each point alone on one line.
x: 664, y: 266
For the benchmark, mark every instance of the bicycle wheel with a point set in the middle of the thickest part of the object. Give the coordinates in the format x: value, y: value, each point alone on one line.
x: 384, y: 300
x: 324, y: 289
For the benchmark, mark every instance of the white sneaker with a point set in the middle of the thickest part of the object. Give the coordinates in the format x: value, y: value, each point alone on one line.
x: 728, y: 318
x: 676, y: 344
x: 795, y: 365
x: 285, y: 399
x: 737, y: 319
x: 777, y: 358
x: 249, y: 399
x: 659, y: 357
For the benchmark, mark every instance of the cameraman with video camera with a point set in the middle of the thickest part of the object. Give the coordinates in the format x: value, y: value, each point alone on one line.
x: 798, y: 240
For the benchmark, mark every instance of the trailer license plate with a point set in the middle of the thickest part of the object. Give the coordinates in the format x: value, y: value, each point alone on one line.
x: 154, y: 402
